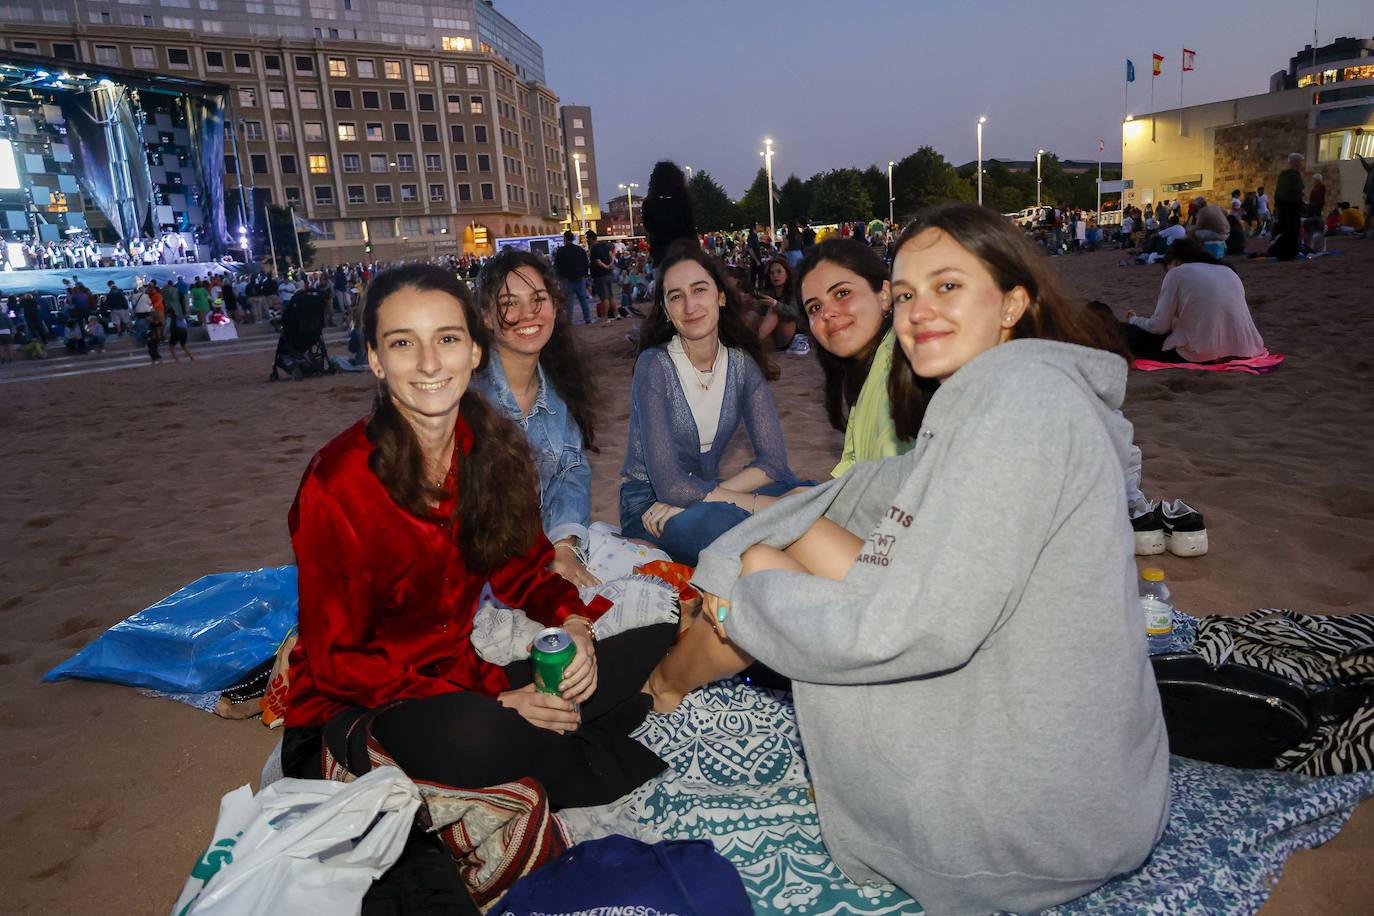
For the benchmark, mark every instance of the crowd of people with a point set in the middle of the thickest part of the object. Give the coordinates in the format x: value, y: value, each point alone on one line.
x: 80, y: 250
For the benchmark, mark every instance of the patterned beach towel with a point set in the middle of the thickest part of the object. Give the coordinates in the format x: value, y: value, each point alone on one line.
x: 738, y: 777
x: 1262, y: 364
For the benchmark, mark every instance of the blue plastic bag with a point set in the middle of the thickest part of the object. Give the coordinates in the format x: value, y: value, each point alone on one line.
x: 203, y: 637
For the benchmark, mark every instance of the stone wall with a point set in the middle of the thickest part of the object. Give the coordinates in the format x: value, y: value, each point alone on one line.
x: 1251, y: 155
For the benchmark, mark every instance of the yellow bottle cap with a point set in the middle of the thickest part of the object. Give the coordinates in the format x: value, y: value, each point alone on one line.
x: 1152, y: 574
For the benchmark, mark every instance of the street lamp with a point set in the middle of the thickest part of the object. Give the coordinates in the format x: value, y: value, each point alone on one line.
x: 1038, y: 154
x: 581, y: 203
x: 981, y: 121
x: 767, y: 154
x: 689, y: 172
x: 890, y: 198
x: 629, y: 190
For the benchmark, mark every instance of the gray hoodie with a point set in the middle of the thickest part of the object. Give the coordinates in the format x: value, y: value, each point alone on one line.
x: 976, y: 703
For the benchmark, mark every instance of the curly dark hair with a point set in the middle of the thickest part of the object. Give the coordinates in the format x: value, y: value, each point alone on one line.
x: 497, y: 510
x: 657, y: 329
x: 560, y: 359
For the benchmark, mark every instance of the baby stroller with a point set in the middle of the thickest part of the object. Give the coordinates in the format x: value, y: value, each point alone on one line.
x: 300, y: 348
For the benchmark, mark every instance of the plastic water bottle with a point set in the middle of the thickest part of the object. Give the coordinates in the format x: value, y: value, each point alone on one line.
x: 1159, y: 612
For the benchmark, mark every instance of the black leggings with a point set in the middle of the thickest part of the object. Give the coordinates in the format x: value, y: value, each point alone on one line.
x: 1145, y: 345
x: 469, y: 740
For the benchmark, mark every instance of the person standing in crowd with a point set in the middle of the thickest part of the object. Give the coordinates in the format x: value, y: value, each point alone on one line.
x: 38, y: 329
x: 1316, y: 198
x: 570, y: 263
x: 1262, y: 214
x: 200, y: 300
x: 667, y: 212
x: 701, y: 372
x: 536, y: 376
x: 602, y: 270
x: 118, y: 305
x: 1288, y: 203
x: 7, y: 328
x: 795, y: 246
x: 178, y: 332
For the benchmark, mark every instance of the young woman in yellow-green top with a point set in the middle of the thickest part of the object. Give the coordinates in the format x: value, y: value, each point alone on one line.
x: 847, y: 302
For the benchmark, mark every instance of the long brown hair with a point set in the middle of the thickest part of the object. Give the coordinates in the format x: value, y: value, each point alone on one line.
x: 497, y: 510
x: 1012, y: 261
x: 657, y: 329
x: 560, y: 358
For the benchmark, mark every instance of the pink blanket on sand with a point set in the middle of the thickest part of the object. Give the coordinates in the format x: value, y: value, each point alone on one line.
x: 1260, y: 364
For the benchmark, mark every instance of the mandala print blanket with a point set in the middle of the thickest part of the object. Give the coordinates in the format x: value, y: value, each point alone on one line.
x: 738, y: 776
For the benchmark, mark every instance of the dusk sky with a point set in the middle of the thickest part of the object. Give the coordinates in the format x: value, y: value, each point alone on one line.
x: 857, y: 82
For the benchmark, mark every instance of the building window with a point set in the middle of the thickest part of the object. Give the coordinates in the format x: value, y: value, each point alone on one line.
x: 460, y: 162
x: 324, y: 194
x: 326, y: 225
x: 305, y: 64
x: 177, y: 58
x: 109, y: 55
x: 472, y: 76
x: 488, y: 191
x: 455, y: 133
x: 272, y: 64
x: 436, y: 192
x: 434, y: 162
x: 455, y: 104
x: 483, y: 162
x: 400, y: 131
x: 144, y: 58
x: 214, y: 61
x: 352, y: 162
x: 465, y: 192
x: 310, y: 98
x: 376, y: 162
x: 353, y: 228
x: 429, y: 133
x: 375, y: 132
x: 409, y: 192
x: 258, y: 163
x: 314, y: 132
x: 252, y: 130
x: 343, y: 98
x: 424, y: 101
x: 392, y: 68
x: 410, y: 225
x: 456, y: 43
x: 372, y: 100
x: 276, y: 98
x: 288, y: 164
x: 356, y: 194
x: 366, y: 68
x: 347, y: 131
x: 282, y: 130
x: 293, y: 196
x: 381, y: 193
x: 397, y: 100
x: 479, y: 134
x: 338, y: 66
x: 421, y: 72
x: 476, y: 105
x: 577, y: 122
x: 449, y: 73
x: 248, y: 97
x: 438, y: 225
x: 405, y: 162
x: 243, y: 62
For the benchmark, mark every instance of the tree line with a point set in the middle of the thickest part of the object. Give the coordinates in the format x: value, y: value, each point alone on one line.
x: 922, y: 179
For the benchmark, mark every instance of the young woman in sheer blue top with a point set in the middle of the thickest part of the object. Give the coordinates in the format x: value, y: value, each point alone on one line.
x: 535, y: 376
x: 700, y: 374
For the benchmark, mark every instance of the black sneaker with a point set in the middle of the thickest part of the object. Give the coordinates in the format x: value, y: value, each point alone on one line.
x: 1185, y: 533
x: 1149, y: 528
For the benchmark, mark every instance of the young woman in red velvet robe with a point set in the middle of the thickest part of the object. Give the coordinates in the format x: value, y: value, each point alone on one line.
x: 397, y: 525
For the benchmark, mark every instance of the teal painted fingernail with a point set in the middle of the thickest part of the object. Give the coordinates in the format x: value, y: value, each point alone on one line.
x: 720, y: 614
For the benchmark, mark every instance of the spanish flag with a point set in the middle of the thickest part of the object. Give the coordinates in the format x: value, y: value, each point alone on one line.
x: 1159, y: 63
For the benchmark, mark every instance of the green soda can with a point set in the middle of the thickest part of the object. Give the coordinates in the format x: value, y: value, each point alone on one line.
x: 550, y: 655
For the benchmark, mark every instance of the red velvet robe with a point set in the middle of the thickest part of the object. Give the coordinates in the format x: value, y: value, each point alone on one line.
x: 386, y: 601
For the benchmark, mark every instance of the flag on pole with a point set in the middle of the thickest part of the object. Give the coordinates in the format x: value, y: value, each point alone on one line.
x: 1159, y: 64
x: 1130, y: 71
x: 1101, y: 145
x: 1188, y: 59
x: 301, y: 225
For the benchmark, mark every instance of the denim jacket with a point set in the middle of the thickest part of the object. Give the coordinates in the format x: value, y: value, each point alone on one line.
x: 565, y: 475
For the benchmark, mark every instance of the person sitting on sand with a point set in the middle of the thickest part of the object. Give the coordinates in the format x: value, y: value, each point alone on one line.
x: 536, y: 376
x: 848, y: 305
x: 1201, y: 315
x: 398, y: 524
x: 700, y: 373
x: 960, y: 622
x: 1209, y: 222
x: 781, y: 317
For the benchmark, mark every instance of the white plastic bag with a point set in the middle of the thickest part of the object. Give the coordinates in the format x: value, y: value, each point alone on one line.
x: 301, y: 847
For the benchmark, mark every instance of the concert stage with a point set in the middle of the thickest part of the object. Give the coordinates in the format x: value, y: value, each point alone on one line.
x: 49, y: 282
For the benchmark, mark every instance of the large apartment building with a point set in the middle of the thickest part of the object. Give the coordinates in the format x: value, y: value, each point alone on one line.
x: 396, y: 129
x: 583, y: 191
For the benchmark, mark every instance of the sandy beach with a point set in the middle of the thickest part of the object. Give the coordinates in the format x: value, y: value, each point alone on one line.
x: 127, y: 484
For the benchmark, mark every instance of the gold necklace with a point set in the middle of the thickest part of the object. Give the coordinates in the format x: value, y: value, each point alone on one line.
x: 707, y: 378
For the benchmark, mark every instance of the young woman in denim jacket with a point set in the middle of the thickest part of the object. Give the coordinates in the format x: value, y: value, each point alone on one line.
x: 700, y: 373
x: 535, y: 376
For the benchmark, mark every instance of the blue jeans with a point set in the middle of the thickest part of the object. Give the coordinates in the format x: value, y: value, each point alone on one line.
x: 577, y: 289
x: 693, y: 529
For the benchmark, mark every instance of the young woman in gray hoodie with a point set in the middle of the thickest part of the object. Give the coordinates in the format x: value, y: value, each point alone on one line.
x: 960, y: 623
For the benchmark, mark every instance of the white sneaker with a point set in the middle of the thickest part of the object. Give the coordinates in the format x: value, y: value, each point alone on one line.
x: 800, y: 346
x: 1148, y: 527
